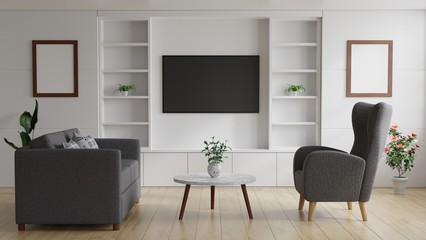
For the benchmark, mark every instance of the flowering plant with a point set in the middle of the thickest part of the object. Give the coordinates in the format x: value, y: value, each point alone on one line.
x: 401, y: 150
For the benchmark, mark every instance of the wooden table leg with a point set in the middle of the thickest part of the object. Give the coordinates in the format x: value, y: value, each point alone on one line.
x: 243, y: 187
x: 212, y: 189
x: 185, y: 198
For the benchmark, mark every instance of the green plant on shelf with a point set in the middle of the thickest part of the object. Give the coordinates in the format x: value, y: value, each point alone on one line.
x: 125, y: 88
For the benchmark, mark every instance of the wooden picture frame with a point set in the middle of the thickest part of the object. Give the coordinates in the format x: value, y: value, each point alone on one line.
x: 55, y: 68
x: 369, y: 68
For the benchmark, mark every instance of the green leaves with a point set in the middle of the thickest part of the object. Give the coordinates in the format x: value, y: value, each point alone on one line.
x: 214, y: 150
x: 28, y: 122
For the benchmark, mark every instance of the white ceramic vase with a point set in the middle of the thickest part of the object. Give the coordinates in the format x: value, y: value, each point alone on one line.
x: 214, y: 169
x: 295, y: 93
x: 125, y: 93
x: 399, y: 184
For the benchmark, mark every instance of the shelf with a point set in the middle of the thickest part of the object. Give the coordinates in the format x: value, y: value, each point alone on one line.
x: 124, y: 44
x: 284, y: 149
x: 295, y: 97
x: 125, y: 97
x: 294, y: 70
x: 125, y: 123
x: 294, y: 45
x: 294, y: 123
x: 125, y: 70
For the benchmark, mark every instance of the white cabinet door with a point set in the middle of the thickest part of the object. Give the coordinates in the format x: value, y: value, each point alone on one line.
x: 285, y: 169
x: 161, y: 168
x: 261, y: 165
x: 197, y: 163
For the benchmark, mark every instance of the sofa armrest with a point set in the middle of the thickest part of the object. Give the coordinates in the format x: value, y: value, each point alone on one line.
x: 333, y: 176
x: 130, y: 148
x: 67, y: 185
x: 301, y: 153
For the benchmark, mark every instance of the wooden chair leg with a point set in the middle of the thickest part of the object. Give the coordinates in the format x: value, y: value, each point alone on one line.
x: 363, y: 210
x: 21, y: 227
x: 312, y: 206
x: 116, y: 226
x: 349, y: 205
x: 301, y: 202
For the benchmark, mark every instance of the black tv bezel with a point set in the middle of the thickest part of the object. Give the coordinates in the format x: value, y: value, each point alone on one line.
x: 255, y: 111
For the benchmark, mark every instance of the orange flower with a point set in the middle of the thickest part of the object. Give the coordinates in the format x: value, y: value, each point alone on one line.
x: 393, y: 127
x: 386, y: 150
x: 400, y: 146
x: 393, y: 138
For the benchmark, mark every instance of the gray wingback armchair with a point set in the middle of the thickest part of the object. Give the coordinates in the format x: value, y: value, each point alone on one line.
x: 76, y: 186
x: 324, y: 174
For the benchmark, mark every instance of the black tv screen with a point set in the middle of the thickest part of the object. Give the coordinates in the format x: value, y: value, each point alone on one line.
x: 210, y: 84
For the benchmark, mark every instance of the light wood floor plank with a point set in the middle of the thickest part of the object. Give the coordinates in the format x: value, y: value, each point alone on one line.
x: 231, y: 217
x: 274, y: 210
x: 208, y: 224
x: 258, y: 227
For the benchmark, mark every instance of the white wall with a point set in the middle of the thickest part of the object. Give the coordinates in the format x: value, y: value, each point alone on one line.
x: 18, y: 29
x: 407, y: 30
x: 208, y: 36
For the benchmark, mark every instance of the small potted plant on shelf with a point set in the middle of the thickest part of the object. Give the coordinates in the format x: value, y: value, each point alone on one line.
x: 295, y: 90
x: 400, y: 154
x: 214, y: 151
x: 125, y: 89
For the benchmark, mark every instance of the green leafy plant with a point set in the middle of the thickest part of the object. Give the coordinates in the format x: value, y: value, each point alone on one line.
x: 214, y: 150
x: 28, y: 122
x: 401, y: 150
x: 295, y: 88
x: 125, y: 88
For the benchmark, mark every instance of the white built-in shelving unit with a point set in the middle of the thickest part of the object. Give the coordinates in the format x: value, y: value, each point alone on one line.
x: 124, y: 59
x: 294, y: 59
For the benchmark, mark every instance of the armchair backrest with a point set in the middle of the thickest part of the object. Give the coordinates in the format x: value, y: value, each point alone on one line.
x: 370, y: 125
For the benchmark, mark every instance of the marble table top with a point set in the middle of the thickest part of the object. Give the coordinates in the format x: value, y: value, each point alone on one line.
x: 223, y: 179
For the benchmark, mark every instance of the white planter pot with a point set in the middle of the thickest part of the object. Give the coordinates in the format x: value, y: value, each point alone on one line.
x: 399, y: 184
x: 125, y: 93
x: 214, y: 169
x: 297, y: 93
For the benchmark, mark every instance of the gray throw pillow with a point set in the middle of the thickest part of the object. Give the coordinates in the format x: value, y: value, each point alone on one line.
x: 70, y: 145
x: 85, y: 142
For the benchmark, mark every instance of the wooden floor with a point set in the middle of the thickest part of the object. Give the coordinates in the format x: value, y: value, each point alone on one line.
x: 274, y: 210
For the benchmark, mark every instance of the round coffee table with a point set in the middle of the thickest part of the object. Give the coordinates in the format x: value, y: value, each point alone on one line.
x: 225, y: 179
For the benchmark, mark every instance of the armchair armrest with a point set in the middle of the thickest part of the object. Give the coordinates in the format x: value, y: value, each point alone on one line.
x: 301, y: 153
x: 333, y: 176
x: 130, y: 148
x: 63, y: 182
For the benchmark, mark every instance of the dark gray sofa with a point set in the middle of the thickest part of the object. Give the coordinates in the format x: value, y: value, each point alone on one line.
x: 76, y: 186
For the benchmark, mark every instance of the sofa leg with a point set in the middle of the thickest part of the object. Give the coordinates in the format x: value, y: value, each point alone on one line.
x: 21, y: 227
x: 311, y: 212
x: 138, y: 201
x: 116, y: 226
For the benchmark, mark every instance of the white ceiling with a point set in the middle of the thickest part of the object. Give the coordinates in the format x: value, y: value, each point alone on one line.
x: 213, y: 5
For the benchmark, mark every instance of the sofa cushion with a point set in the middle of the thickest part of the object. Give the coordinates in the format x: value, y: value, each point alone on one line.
x: 129, y: 173
x: 53, y: 140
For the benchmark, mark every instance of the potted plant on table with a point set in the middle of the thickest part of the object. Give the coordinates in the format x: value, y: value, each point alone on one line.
x: 400, y: 154
x: 125, y: 89
x: 295, y: 90
x: 214, y: 151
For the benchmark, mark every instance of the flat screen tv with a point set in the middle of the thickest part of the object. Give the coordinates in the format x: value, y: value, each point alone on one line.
x: 210, y: 83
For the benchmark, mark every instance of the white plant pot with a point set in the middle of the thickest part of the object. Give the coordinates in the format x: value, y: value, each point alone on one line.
x: 399, y: 185
x: 125, y: 93
x: 297, y: 93
x: 214, y: 169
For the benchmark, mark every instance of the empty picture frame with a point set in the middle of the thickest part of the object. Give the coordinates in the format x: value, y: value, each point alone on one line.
x: 369, y: 68
x: 55, y: 68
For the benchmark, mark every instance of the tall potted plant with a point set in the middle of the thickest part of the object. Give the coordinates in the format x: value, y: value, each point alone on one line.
x: 28, y: 122
x: 400, y: 154
x: 214, y: 151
